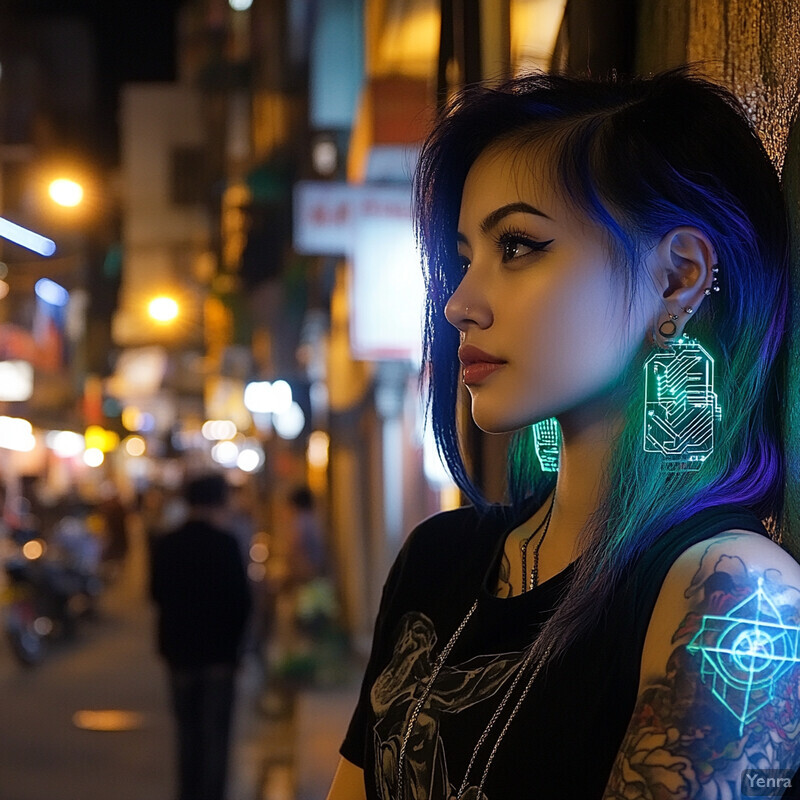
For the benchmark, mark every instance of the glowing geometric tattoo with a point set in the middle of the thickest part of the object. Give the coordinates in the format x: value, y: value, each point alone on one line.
x: 680, y: 404
x: 744, y: 653
x: 547, y: 443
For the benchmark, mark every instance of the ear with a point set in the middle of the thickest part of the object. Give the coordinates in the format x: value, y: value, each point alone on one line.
x: 684, y: 259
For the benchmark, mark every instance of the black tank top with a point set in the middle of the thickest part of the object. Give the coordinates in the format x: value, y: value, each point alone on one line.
x: 566, y: 734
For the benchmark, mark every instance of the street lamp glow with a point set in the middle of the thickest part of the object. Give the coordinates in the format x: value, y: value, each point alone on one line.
x: 66, y: 192
x: 163, y: 309
x: 240, y: 5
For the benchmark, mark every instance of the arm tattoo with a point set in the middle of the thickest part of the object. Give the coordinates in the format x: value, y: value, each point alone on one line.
x: 728, y: 702
x: 504, y: 579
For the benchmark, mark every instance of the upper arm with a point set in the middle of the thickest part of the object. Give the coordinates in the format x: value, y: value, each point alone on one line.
x: 718, y: 694
x: 348, y: 782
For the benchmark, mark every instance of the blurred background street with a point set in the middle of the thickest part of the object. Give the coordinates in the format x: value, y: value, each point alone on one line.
x: 56, y: 744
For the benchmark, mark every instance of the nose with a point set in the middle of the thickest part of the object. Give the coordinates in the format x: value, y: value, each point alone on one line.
x: 466, y: 308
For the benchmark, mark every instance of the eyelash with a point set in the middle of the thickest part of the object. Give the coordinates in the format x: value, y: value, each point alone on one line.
x: 511, y: 237
x: 505, y: 238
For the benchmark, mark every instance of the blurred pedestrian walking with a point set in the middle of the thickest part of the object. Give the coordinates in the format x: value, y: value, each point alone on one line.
x: 308, y: 556
x: 114, y: 521
x: 199, y: 585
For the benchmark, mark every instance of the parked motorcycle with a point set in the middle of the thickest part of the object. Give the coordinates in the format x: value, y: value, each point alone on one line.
x: 47, y: 592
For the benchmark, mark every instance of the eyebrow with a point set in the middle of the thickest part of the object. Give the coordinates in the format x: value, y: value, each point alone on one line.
x: 498, y: 214
x: 493, y: 219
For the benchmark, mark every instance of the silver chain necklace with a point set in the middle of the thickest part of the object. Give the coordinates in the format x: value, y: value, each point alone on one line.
x: 522, y: 667
x: 401, y: 759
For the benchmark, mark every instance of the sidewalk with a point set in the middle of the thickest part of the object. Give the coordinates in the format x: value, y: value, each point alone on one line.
x: 302, y: 737
x: 285, y: 741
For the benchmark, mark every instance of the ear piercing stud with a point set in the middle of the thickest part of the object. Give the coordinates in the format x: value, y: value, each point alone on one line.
x: 714, y: 282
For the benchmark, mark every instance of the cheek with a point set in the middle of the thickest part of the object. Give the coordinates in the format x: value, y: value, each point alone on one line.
x: 582, y: 335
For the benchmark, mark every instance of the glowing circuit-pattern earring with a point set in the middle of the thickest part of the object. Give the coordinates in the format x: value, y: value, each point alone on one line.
x: 681, y: 408
x: 681, y: 405
x: 547, y: 443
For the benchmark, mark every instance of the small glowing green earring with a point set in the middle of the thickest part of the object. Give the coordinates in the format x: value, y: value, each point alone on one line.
x: 547, y: 443
x: 680, y: 403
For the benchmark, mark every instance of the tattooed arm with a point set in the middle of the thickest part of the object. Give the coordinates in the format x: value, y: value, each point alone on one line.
x: 718, y: 714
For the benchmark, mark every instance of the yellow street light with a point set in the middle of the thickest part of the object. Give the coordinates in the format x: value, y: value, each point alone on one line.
x: 163, y: 309
x: 66, y: 192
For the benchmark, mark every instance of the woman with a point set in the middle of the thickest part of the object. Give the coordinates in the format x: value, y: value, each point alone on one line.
x: 612, y: 255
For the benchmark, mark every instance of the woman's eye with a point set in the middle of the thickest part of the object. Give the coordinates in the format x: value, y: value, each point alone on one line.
x: 464, y: 263
x: 513, y: 247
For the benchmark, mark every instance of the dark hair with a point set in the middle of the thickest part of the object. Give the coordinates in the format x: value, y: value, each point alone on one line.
x: 639, y: 156
x: 206, y: 490
x: 302, y: 498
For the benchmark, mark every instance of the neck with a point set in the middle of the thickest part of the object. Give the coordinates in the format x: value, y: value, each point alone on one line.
x: 215, y: 515
x: 587, y: 436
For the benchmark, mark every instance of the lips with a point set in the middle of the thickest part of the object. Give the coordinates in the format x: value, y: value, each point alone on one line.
x: 477, y: 364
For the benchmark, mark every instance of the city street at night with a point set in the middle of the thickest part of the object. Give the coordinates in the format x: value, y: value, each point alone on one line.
x: 112, y: 666
x: 399, y: 399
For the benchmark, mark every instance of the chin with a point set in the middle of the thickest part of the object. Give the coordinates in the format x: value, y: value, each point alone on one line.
x: 496, y: 423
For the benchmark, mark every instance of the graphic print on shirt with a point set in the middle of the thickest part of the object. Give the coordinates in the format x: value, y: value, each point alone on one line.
x: 396, y: 693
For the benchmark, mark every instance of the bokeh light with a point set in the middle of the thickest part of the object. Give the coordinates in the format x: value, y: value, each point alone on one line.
x: 163, y: 309
x: 66, y: 192
x: 225, y: 453
x: 65, y: 444
x: 135, y: 446
x: 216, y: 430
x: 93, y: 457
x: 290, y: 424
x: 317, y: 452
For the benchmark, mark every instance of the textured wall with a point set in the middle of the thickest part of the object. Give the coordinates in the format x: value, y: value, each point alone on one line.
x: 751, y: 46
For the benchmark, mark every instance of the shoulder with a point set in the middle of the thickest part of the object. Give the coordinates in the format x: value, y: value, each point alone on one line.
x: 711, y: 579
x: 165, y: 542
x: 456, y: 533
x: 718, y: 697
x: 750, y: 550
x: 462, y: 520
x: 450, y: 545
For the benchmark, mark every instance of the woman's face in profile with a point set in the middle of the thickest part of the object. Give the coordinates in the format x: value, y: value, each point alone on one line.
x: 545, y: 326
